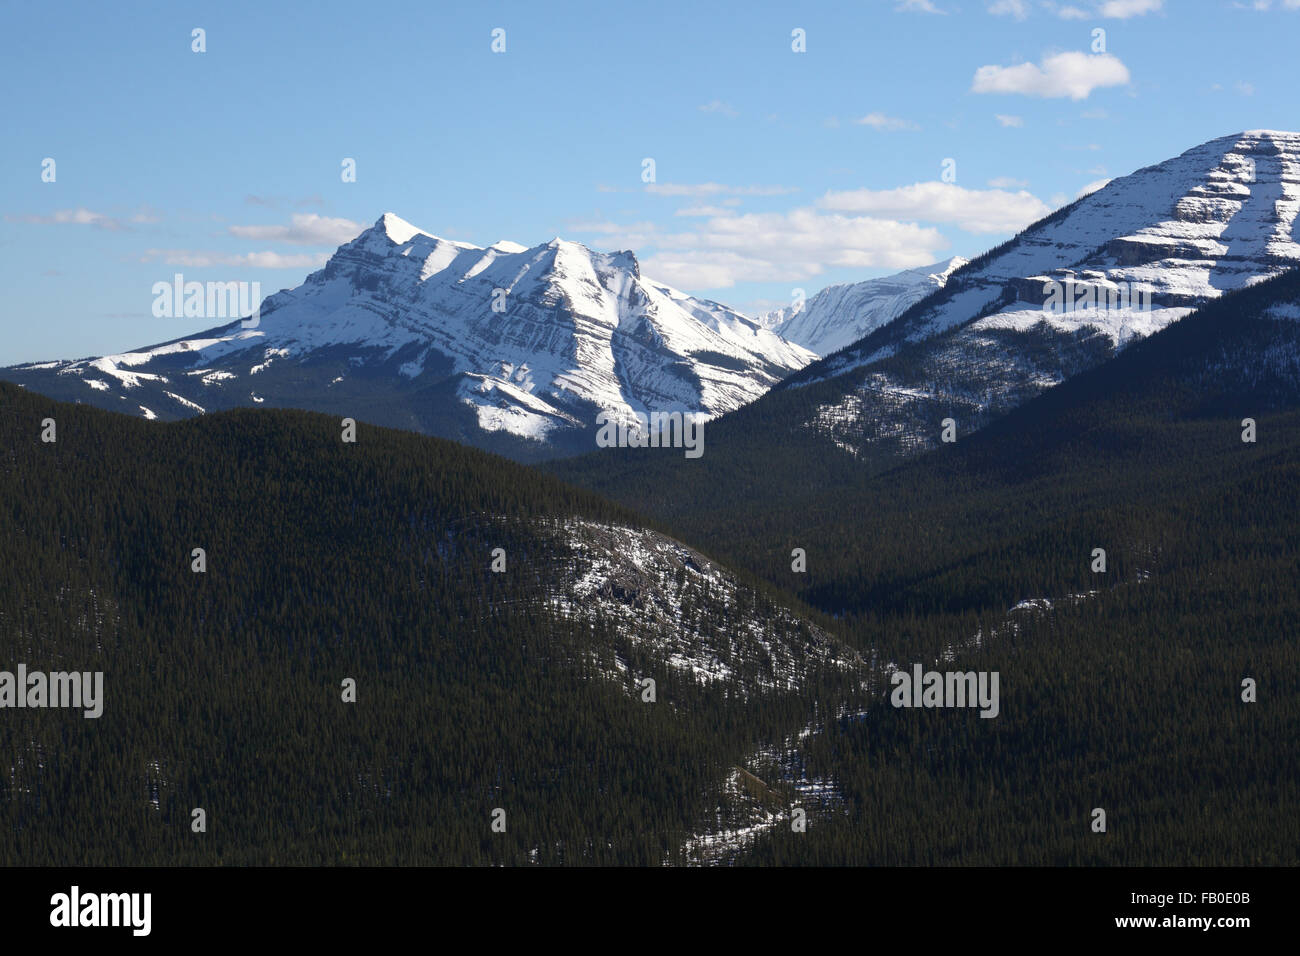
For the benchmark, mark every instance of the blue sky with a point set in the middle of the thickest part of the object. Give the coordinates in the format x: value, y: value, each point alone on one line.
x: 773, y: 169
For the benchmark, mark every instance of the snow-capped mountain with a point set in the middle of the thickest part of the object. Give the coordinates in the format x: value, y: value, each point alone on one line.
x: 511, y: 348
x: 839, y: 315
x: 1069, y: 292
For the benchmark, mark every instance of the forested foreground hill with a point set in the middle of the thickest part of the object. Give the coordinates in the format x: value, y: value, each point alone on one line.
x: 1122, y: 689
x: 475, y: 690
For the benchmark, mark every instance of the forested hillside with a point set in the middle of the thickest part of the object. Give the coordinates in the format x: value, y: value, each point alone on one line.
x: 372, y: 561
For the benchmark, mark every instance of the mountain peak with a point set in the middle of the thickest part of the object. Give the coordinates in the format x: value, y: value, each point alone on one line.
x: 397, y: 229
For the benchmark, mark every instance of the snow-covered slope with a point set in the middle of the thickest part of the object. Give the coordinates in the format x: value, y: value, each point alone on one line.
x: 1174, y: 236
x: 509, y: 348
x: 839, y: 315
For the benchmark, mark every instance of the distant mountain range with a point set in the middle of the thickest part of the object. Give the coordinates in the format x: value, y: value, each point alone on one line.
x: 517, y: 350
x: 509, y: 348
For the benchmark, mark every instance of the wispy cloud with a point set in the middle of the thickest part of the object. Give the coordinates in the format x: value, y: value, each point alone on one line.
x: 1111, y: 9
x: 882, y: 122
x: 918, y: 6
x: 304, y: 229
x: 715, y: 189
x: 717, y: 106
x: 1123, y: 9
x: 700, y: 211
x: 195, y: 259
x: 81, y: 216
x: 276, y: 202
x: 1009, y: 8
x: 1005, y: 120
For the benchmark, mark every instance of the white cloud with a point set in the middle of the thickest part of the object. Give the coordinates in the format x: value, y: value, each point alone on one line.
x: 883, y: 122
x: 974, y: 210
x: 772, y: 247
x: 304, y: 229
x: 1005, y: 120
x: 1110, y: 9
x: 1123, y: 9
x: 856, y: 229
x: 918, y: 6
x: 1009, y: 8
x: 1071, y: 74
x: 779, y: 247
